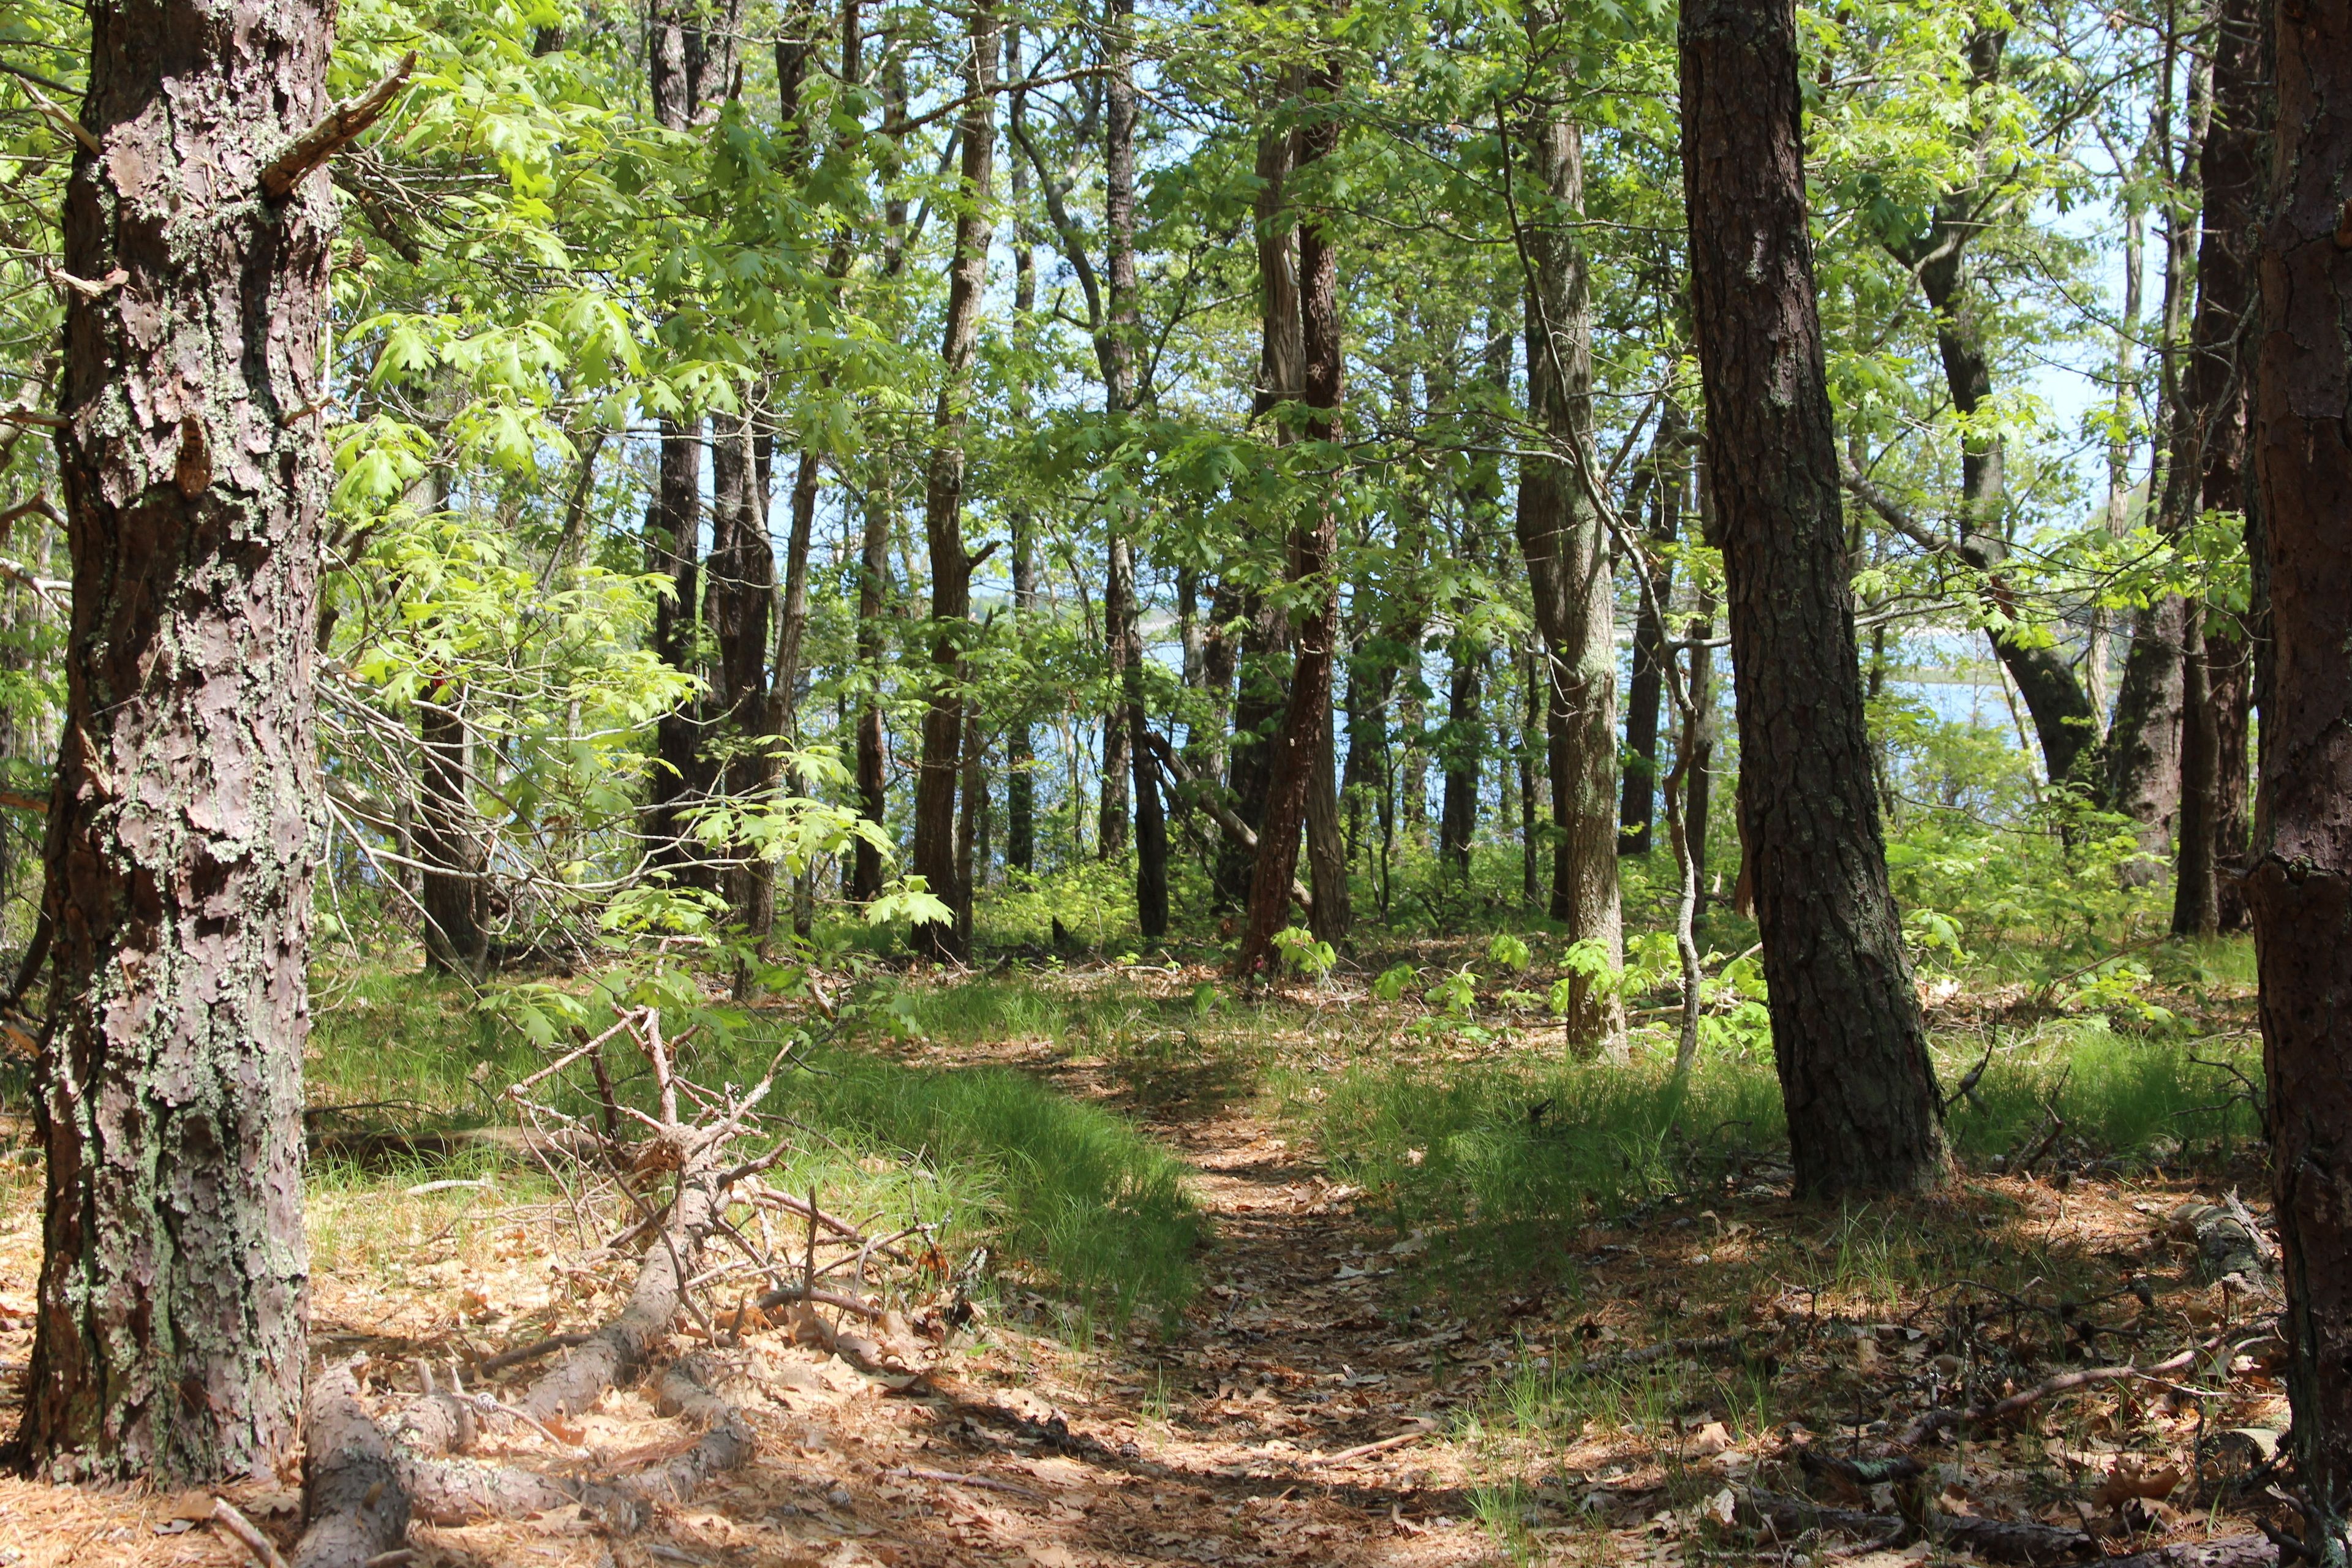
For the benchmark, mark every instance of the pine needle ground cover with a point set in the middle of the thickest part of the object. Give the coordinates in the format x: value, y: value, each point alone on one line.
x: 1315, y: 1280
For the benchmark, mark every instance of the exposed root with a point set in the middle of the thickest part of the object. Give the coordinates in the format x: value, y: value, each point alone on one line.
x: 354, y: 1500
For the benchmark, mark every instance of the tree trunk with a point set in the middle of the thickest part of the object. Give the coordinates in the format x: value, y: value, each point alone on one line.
x: 450, y: 892
x: 1566, y: 547
x: 2196, y: 894
x: 677, y: 59
x: 1637, y: 812
x: 1461, y: 754
x: 2213, y: 838
x: 2147, y: 749
x: 873, y: 778
x: 740, y: 593
x: 951, y: 563
x: 2063, y: 721
x: 1020, y: 757
x: 1699, y: 780
x: 1299, y: 747
x: 2301, y: 886
x: 1853, y: 1056
x: 183, y: 820
x: 1531, y: 725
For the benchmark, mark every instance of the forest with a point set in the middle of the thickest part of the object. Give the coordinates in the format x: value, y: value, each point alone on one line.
x: 1093, y: 783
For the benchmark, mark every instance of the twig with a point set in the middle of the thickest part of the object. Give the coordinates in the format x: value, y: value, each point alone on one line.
x: 516, y: 1357
x: 1365, y: 1450
x: 954, y: 1479
x: 241, y: 1528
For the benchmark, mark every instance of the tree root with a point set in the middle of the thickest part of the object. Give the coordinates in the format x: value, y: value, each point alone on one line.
x: 354, y: 1503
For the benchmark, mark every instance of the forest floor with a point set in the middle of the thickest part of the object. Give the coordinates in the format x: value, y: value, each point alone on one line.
x: 1341, y: 1389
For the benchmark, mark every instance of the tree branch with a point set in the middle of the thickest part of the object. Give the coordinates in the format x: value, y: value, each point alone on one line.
x: 330, y: 135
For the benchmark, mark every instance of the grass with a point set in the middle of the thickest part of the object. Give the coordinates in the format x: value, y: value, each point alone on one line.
x: 1067, y: 1197
x: 1511, y: 1155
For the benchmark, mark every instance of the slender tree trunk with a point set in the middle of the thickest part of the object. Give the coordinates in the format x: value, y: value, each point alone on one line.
x: 1566, y: 547
x: 2145, y: 749
x: 183, y: 820
x: 2065, y: 724
x: 740, y: 593
x: 450, y: 892
x: 951, y: 563
x: 677, y: 59
x: 1861, y: 1094
x: 873, y: 778
x: 1531, y: 725
x: 1638, y: 810
x: 1299, y: 747
x: 1461, y: 754
x: 2301, y: 886
x: 1700, y: 776
x: 2120, y: 443
x: 2213, y: 417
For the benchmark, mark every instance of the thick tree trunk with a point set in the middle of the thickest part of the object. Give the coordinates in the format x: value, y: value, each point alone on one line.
x: 1299, y: 747
x: 2143, y: 748
x: 2301, y: 886
x: 951, y: 563
x: 1566, y: 547
x: 1860, y: 1091
x: 183, y: 821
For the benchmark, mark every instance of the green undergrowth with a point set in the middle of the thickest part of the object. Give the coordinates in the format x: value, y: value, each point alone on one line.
x: 1068, y: 1198
x: 1511, y: 1156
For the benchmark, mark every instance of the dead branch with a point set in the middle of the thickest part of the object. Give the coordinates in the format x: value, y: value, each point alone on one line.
x: 342, y: 123
x: 1931, y: 1424
x: 240, y: 1529
x: 522, y: 1353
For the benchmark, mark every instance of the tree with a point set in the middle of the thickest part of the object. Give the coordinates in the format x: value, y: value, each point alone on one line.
x: 183, y: 820
x: 1847, y: 1037
x: 1565, y: 546
x: 950, y: 562
x: 2300, y: 886
x: 1299, y: 746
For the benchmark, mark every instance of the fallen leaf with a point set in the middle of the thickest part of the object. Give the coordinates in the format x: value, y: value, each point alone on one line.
x: 2128, y: 1480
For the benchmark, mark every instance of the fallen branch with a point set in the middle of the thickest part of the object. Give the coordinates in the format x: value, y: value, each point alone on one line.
x: 790, y: 1293
x: 522, y: 1353
x: 950, y: 1478
x: 1930, y: 1424
x: 1712, y: 1344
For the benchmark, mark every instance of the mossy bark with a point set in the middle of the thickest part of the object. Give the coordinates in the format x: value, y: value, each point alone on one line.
x: 184, y: 822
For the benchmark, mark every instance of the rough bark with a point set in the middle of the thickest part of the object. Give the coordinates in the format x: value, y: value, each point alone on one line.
x: 1565, y: 545
x: 1019, y: 786
x: 183, y: 821
x: 355, y: 1506
x: 2212, y: 841
x: 1861, y: 1095
x: 2300, y: 889
x: 450, y: 890
x: 873, y: 781
x: 1298, y: 748
x: 951, y: 563
x: 740, y: 593
x: 1250, y: 654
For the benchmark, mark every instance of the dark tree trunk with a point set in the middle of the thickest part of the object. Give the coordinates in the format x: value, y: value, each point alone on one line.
x: 2301, y: 886
x: 1531, y: 725
x: 1461, y: 753
x: 1020, y: 785
x: 2065, y: 724
x: 951, y: 563
x: 450, y: 891
x: 1566, y: 547
x: 1637, y: 812
x: 1256, y: 652
x: 678, y: 57
x: 873, y: 779
x: 1300, y: 745
x: 183, y: 820
x: 740, y: 594
x: 2143, y: 747
x: 1853, y: 1056
x: 2213, y: 828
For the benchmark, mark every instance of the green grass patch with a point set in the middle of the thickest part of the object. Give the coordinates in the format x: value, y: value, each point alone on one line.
x: 2121, y: 1094
x: 1068, y: 1197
